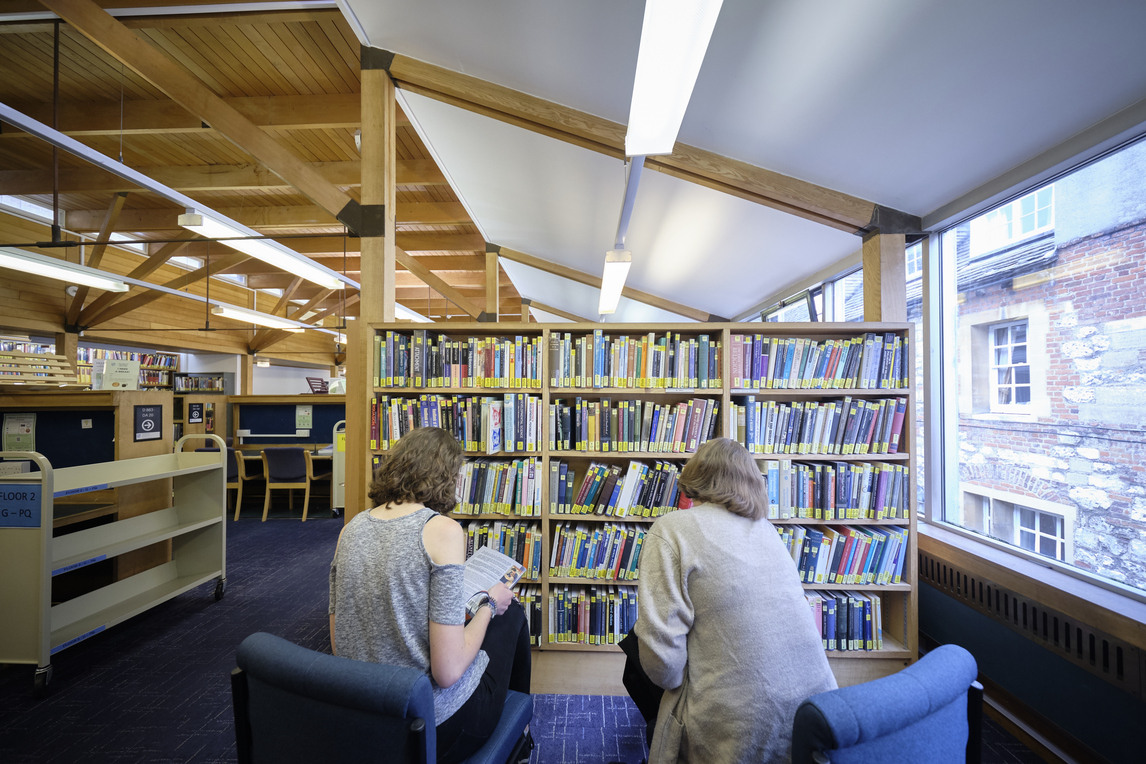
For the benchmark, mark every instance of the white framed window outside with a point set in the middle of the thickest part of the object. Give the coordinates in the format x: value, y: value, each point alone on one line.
x: 1010, y: 373
x: 914, y: 254
x: 1023, y: 218
x: 1038, y: 526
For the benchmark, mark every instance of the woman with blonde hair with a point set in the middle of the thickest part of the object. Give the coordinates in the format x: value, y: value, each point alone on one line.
x: 396, y: 595
x: 723, y: 627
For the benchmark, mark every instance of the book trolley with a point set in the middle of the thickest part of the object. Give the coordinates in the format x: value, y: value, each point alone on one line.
x: 30, y: 556
x: 594, y: 414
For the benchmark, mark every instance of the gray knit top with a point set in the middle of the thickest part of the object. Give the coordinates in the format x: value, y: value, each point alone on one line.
x: 385, y: 590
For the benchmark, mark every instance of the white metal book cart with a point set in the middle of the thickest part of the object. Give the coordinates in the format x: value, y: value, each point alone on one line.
x: 35, y: 629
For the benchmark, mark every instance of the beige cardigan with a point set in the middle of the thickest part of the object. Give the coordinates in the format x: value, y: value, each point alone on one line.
x: 723, y: 626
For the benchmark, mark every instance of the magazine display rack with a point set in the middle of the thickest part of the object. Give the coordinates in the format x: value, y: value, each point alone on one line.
x: 30, y: 555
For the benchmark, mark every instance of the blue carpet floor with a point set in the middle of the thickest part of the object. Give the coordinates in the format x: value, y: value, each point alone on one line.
x: 157, y: 688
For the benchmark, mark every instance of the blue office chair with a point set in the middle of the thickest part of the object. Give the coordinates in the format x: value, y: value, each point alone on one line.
x: 297, y: 705
x: 929, y: 711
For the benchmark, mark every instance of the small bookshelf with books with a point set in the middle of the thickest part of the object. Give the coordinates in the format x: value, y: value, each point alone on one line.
x: 575, y: 436
x: 156, y: 369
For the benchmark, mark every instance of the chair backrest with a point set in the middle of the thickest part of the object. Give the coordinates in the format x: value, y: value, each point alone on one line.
x: 917, y: 714
x: 285, y: 465
x: 293, y: 704
x: 232, y: 466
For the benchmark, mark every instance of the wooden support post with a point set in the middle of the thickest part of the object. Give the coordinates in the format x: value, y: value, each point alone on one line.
x: 246, y: 384
x: 884, y: 277
x: 379, y: 165
x: 66, y: 345
x: 492, y: 298
x: 526, y: 317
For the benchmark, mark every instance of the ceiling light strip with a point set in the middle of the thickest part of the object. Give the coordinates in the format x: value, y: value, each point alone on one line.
x: 54, y: 137
x: 55, y: 268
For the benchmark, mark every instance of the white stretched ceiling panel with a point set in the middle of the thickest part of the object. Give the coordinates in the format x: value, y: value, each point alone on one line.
x: 547, y: 198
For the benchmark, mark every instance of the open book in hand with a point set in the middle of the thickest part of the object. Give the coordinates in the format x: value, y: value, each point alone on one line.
x: 487, y: 567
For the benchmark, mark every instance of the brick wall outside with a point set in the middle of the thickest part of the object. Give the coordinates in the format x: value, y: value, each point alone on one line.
x: 1090, y: 452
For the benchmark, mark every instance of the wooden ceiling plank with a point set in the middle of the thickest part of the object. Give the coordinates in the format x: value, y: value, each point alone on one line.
x: 762, y: 186
x: 277, y: 335
x: 141, y: 271
x: 95, y: 256
x: 181, y: 86
x: 595, y: 281
x: 426, y: 275
x: 138, y: 300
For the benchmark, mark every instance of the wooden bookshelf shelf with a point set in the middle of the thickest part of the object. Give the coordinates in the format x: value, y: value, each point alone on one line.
x: 682, y: 379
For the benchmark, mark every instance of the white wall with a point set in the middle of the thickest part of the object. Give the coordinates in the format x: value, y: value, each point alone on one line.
x: 284, y: 380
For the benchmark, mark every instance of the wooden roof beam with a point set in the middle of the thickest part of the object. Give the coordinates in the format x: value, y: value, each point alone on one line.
x: 329, y: 249
x: 141, y: 271
x: 142, y: 117
x: 791, y: 195
x: 595, y: 281
x: 239, y: 177
x: 136, y: 301
x: 559, y: 312
x: 95, y: 256
x: 190, y: 92
x: 437, y: 283
x: 301, y: 216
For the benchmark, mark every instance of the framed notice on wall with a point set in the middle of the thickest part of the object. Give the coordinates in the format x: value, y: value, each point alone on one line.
x: 148, y: 423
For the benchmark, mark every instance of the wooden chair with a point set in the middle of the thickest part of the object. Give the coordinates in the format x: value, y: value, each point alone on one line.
x: 312, y: 476
x: 240, y: 469
x: 286, y: 468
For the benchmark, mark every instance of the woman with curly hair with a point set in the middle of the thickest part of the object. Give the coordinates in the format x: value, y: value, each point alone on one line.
x: 396, y: 595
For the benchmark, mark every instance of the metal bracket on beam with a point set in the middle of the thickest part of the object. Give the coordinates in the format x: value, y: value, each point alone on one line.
x: 487, y: 318
x: 491, y: 247
x: 364, y: 220
x: 888, y: 220
x: 375, y: 58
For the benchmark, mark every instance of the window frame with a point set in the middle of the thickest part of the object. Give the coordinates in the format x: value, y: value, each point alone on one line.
x: 1014, y: 406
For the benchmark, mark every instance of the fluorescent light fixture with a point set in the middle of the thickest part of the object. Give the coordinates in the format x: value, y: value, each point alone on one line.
x: 53, y: 268
x: 255, y: 317
x: 617, y: 262
x: 674, y: 38
x: 262, y: 363
x: 270, y: 252
x: 402, y: 313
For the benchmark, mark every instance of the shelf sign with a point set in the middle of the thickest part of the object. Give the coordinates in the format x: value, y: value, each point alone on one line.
x: 194, y: 413
x: 303, y: 417
x: 148, y: 423
x: 20, y: 505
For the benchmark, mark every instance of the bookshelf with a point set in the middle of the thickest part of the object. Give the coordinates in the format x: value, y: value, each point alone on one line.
x: 156, y: 369
x: 596, y: 408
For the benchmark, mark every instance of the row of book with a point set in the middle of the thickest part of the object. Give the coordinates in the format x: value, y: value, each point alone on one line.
x: 838, y: 427
x: 852, y: 556
x: 211, y: 384
x: 600, y: 550
x: 847, y: 621
x: 529, y: 595
x: 870, y: 361
x: 837, y: 490
x: 501, y: 487
x: 519, y: 540
x: 646, y: 361
x: 154, y: 378
x: 642, y: 489
x: 146, y: 360
x: 421, y: 360
x: 631, y: 425
x: 591, y: 615
x: 482, y: 424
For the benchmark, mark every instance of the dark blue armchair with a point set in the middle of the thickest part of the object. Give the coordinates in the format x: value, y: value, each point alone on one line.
x: 928, y: 712
x: 298, y: 705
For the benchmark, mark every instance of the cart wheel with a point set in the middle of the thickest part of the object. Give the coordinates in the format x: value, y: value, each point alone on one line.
x: 42, y: 679
x: 220, y: 589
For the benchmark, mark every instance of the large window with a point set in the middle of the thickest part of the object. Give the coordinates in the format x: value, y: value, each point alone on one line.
x: 1045, y: 370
